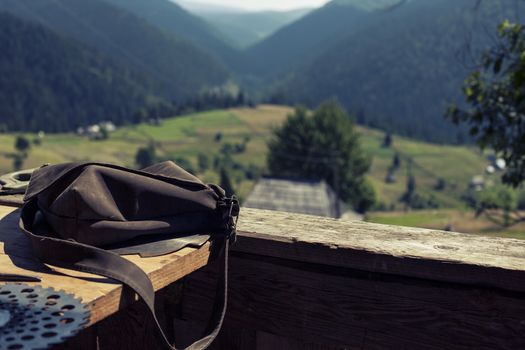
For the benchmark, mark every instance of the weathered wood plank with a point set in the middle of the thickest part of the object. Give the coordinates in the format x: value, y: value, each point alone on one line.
x: 437, y: 255
x: 133, y: 327
x: 341, y: 307
x: 231, y: 338
x: 16, y: 200
x: 275, y: 342
x: 103, y: 296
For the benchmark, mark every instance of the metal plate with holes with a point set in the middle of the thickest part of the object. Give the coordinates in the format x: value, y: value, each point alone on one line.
x: 32, y: 317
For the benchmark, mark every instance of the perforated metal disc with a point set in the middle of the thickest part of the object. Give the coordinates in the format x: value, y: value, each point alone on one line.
x: 32, y: 317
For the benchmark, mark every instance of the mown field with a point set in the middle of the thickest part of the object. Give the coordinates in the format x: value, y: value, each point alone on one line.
x: 430, y: 162
x: 455, y: 219
x: 187, y: 136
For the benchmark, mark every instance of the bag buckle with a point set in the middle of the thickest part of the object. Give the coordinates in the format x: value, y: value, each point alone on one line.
x: 233, y: 218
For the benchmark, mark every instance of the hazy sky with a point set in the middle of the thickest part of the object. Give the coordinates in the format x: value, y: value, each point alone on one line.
x: 263, y: 4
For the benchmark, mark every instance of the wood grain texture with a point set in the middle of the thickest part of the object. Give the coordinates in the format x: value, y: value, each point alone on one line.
x: 271, y: 341
x: 343, y: 308
x: 102, y: 295
x: 133, y: 327
x: 16, y: 200
x: 437, y: 255
x: 231, y: 338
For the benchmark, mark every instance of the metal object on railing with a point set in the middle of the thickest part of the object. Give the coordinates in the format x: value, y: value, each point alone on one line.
x: 15, y: 183
x: 10, y: 277
x: 32, y: 317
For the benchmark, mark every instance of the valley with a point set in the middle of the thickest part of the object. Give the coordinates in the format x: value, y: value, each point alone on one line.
x: 207, y: 86
x: 396, y: 65
x: 184, y: 138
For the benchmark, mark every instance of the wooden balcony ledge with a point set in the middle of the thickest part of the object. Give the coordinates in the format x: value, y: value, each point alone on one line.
x: 304, y: 282
x: 117, y: 321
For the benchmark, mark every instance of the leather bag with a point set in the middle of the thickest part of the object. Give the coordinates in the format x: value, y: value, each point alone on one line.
x: 83, y: 216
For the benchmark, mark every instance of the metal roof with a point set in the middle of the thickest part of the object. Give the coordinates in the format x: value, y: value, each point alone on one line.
x: 304, y: 197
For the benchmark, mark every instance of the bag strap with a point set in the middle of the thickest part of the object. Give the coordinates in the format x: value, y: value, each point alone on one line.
x: 86, y: 258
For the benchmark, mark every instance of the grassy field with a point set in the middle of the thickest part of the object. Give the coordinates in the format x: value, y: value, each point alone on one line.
x: 457, y: 220
x: 187, y: 136
x: 430, y: 162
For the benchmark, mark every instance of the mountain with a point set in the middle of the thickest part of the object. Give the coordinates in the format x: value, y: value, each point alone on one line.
x: 302, y: 40
x: 243, y: 28
x: 172, y: 18
x: 200, y: 7
x: 180, y: 68
x: 372, y: 5
x: 50, y: 83
x: 401, y: 69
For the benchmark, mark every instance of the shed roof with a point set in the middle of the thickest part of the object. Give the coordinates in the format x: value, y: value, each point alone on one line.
x: 305, y: 197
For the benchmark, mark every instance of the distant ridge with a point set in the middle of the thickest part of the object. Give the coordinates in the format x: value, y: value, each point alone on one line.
x: 243, y: 29
x: 401, y: 69
x: 49, y: 83
x: 172, y: 18
x: 180, y: 69
x: 301, y: 41
x: 371, y: 5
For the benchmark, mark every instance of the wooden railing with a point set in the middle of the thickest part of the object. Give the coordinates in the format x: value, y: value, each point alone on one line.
x: 303, y: 282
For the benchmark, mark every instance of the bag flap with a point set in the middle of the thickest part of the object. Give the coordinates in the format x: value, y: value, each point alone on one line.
x: 46, y: 176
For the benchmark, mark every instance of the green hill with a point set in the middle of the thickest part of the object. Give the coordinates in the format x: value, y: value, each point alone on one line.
x: 50, y: 83
x: 172, y: 18
x: 299, y: 42
x: 188, y: 136
x: 180, y: 69
x: 396, y: 64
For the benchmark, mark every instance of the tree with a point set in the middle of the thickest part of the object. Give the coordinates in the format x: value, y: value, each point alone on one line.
x: 22, y: 144
x: 225, y: 182
x: 240, y: 99
x: 203, y: 162
x: 323, y: 145
x: 440, y: 184
x: 396, y: 161
x: 104, y: 134
x: 410, y: 192
x: 145, y: 156
x: 387, y: 141
x: 18, y: 161
x: 499, y: 205
x: 496, y: 95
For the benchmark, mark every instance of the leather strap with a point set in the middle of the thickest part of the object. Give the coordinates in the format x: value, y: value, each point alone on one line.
x: 86, y: 258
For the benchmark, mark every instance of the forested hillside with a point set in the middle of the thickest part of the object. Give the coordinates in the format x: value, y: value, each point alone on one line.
x: 173, y: 19
x: 394, y: 64
x: 301, y: 41
x: 399, y: 69
x: 180, y: 69
x: 50, y: 83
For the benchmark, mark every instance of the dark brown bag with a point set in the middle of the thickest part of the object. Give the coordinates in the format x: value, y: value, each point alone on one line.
x: 83, y: 216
